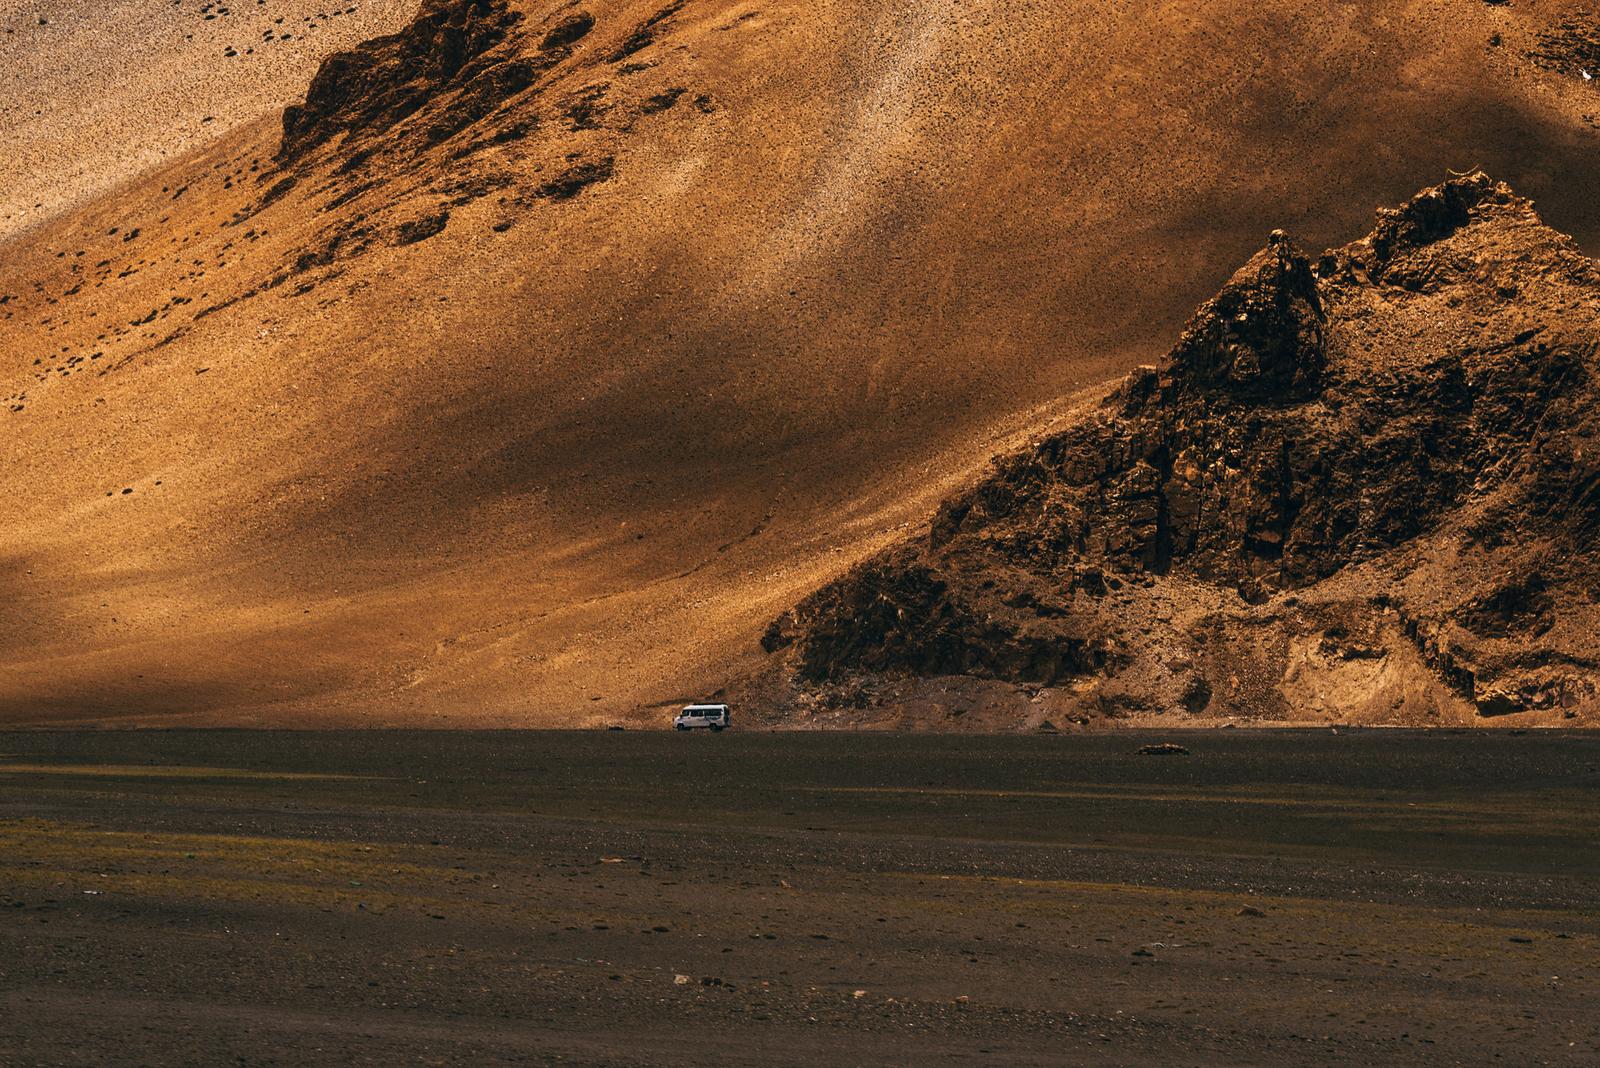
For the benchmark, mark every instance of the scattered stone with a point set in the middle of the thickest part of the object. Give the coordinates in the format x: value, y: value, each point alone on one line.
x: 1163, y: 749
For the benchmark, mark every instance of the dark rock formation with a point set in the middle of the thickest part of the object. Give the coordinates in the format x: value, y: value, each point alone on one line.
x: 1371, y: 472
x: 366, y: 91
x: 466, y: 102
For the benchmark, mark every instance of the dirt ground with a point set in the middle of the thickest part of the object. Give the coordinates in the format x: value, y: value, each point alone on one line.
x: 1275, y: 897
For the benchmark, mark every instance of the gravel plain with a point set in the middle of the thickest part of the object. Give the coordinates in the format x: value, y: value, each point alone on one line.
x: 629, y: 898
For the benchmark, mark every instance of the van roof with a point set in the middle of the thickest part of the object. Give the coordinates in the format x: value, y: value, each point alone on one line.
x: 697, y: 708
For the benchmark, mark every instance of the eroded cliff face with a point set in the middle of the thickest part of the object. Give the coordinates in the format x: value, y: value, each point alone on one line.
x: 1361, y: 485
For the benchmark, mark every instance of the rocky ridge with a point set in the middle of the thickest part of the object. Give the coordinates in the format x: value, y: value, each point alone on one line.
x: 1364, y: 485
x: 472, y: 99
x: 452, y: 47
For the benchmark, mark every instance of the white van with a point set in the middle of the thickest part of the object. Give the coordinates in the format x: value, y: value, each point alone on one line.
x: 692, y: 716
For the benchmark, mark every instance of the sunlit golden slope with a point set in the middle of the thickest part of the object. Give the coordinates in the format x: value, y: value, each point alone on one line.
x: 535, y: 398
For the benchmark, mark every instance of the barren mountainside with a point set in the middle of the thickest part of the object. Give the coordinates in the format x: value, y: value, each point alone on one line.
x: 1363, y: 486
x: 502, y: 362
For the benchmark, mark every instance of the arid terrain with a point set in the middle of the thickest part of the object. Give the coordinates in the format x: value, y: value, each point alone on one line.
x: 595, y: 898
x: 884, y: 369
x: 505, y: 363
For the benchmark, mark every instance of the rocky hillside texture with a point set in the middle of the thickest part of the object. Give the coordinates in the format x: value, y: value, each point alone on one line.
x: 1364, y: 485
x: 516, y: 362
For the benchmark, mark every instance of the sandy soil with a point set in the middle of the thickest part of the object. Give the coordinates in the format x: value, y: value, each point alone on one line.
x: 1300, y: 897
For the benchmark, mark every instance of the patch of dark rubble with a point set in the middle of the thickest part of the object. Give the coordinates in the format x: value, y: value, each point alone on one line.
x: 1572, y: 47
x: 576, y: 178
x: 420, y: 229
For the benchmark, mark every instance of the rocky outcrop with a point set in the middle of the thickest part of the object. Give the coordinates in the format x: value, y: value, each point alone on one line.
x: 473, y: 99
x: 1373, y: 467
x: 451, y: 48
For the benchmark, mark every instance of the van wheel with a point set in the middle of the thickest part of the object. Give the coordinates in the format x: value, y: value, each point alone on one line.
x: 716, y: 726
x: 679, y: 727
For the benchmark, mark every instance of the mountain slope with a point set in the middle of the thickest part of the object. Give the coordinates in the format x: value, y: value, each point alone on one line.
x: 544, y: 353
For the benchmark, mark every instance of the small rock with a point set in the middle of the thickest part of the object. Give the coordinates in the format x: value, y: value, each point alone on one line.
x: 1163, y: 749
x: 1249, y: 910
x: 680, y: 980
